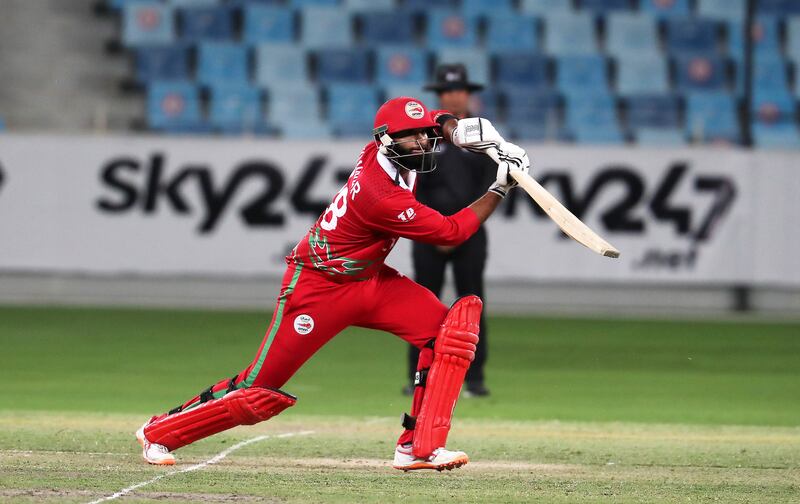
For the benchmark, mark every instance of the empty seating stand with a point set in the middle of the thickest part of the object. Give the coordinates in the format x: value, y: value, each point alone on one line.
x: 654, y: 72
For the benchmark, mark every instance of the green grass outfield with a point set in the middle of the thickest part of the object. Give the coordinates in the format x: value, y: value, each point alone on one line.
x: 581, y: 411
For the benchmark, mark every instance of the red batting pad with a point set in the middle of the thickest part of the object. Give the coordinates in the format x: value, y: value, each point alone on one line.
x: 240, y: 407
x: 453, y: 352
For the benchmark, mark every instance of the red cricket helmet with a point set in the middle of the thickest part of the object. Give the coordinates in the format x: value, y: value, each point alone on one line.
x: 405, y: 113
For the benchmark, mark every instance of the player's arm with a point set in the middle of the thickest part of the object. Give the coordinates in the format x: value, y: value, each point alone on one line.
x: 403, y: 215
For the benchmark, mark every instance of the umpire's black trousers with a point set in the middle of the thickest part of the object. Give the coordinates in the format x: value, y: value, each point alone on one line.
x: 469, y: 260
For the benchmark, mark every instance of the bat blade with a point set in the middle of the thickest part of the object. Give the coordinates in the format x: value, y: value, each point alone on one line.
x: 566, y: 220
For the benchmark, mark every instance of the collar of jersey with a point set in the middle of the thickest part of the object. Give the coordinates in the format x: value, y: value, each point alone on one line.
x: 391, y: 170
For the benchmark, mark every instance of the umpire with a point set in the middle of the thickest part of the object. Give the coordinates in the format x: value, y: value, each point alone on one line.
x: 460, y: 178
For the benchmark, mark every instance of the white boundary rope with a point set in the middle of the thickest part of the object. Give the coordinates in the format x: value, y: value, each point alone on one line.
x: 211, y: 461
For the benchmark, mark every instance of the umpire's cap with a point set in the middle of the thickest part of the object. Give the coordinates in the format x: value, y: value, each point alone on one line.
x: 452, y: 77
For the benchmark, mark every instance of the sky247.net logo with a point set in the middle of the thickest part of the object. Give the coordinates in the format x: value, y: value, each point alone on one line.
x: 629, y: 200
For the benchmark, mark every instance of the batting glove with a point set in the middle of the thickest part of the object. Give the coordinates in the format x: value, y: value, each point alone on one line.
x: 512, y: 158
x: 476, y: 134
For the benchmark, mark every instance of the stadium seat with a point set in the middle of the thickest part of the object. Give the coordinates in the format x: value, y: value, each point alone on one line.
x: 592, y: 118
x: 722, y: 10
x: 665, y: 9
x: 486, y: 104
x: 778, y: 7
x: 326, y: 27
x: 652, y: 111
x: 401, y: 65
x: 691, y: 35
x: 235, y: 108
x: 206, y: 23
x: 351, y: 109
x: 429, y: 98
x: 173, y: 106
x: 516, y: 68
x: 526, y: 106
x: 793, y: 42
x: 641, y: 76
x: 119, y: 4
x: 280, y: 63
x: 581, y: 74
x: 511, y: 31
x: 193, y: 3
x: 386, y: 27
x: 631, y: 35
x: 764, y: 34
x: 240, y: 5
x: 448, y: 28
x: 221, y: 62
x: 266, y: 23
x: 659, y: 137
x: 771, y: 106
x: 700, y: 71
x: 545, y: 7
x: 769, y: 72
x: 475, y: 60
x: 342, y: 65
x: 570, y: 34
x: 711, y: 116
x: 298, y: 102
x: 776, y: 136
x: 537, y: 132
x: 163, y: 62
x: 423, y: 6
x: 305, y: 130
x: 602, y: 7
x: 482, y: 8
x: 147, y: 23
x: 610, y: 134
x: 369, y: 5
x: 314, y: 3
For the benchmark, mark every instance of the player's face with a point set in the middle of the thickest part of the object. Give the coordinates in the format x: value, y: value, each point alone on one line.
x: 456, y: 101
x: 412, y: 141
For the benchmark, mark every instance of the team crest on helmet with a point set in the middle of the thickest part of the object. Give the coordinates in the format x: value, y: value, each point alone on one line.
x: 414, y: 110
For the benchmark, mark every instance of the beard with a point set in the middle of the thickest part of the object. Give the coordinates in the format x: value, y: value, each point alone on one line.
x: 423, y: 162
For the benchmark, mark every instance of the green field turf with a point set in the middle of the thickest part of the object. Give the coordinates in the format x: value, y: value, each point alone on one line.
x: 581, y: 411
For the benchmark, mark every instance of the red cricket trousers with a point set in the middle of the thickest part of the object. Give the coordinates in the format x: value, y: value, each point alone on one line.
x: 312, y: 309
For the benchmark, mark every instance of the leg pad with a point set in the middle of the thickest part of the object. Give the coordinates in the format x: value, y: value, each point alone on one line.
x: 453, y: 352
x: 240, y: 407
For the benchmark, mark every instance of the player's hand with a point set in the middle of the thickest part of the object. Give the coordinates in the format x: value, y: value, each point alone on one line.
x: 512, y: 158
x: 446, y: 122
x: 476, y: 134
x: 436, y: 114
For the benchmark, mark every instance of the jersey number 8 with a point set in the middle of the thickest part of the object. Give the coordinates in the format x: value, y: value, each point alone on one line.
x: 336, y: 209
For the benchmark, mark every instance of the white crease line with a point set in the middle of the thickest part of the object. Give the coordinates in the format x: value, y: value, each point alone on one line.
x: 201, y: 465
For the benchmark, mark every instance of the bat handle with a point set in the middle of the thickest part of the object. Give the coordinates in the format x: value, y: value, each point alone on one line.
x: 492, y: 153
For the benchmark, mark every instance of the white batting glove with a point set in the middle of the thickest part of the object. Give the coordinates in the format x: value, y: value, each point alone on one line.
x: 512, y: 158
x: 476, y: 134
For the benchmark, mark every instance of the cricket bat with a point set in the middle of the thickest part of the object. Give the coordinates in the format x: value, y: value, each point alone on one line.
x: 566, y: 220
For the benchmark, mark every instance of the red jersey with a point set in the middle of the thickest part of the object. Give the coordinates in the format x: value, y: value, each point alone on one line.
x: 353, y: 236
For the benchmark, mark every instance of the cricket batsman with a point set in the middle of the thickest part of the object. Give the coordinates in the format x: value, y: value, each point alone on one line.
x: 336, y: 277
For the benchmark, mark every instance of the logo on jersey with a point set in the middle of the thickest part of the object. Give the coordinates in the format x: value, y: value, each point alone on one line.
x: 303, y: 324
x: 407, y: 215
x: 414, y: 110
